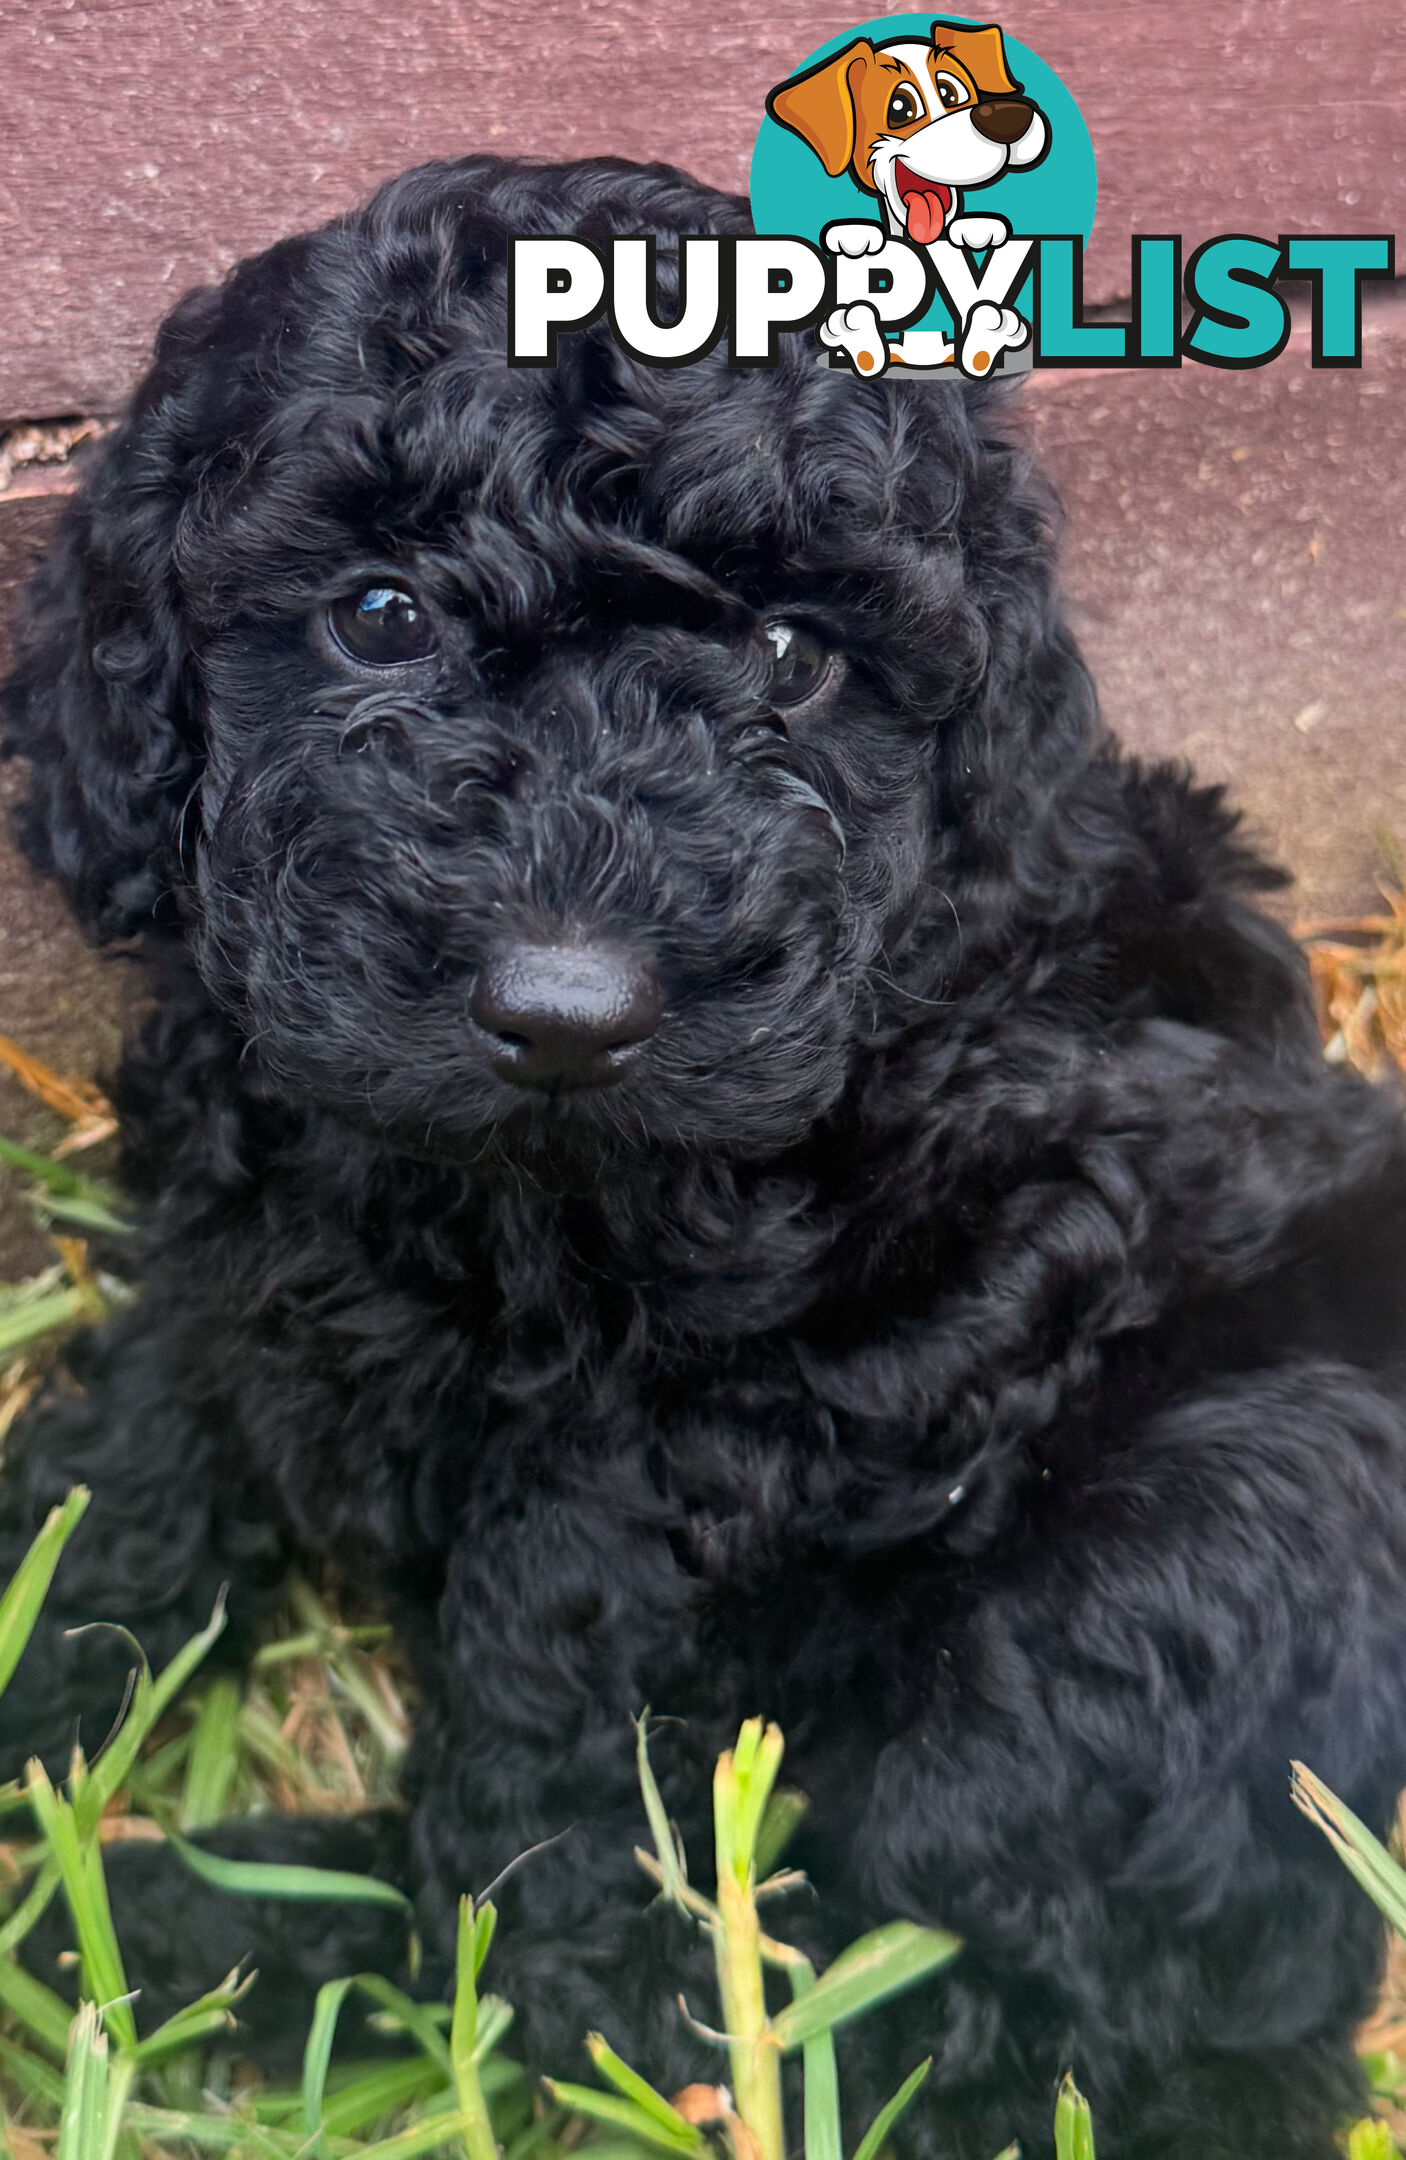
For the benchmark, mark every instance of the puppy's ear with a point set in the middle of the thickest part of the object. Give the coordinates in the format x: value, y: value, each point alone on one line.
x: 819, y: 105
x: 98, y: 700
x: 981, y: 52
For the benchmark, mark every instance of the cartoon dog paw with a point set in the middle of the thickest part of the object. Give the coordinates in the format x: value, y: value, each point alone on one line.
x: 987, y: 333
x: 977, y: 233
x: 853, y: 239
x: 855, y: 330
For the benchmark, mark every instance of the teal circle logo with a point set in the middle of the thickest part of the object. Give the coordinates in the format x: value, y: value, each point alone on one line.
x: 810, y: 170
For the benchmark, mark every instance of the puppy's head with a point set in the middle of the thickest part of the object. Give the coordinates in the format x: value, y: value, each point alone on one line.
x: 915, y: 120
x: 591, y: 750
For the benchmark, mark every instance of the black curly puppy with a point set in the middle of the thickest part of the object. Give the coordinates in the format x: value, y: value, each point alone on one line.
x: 705, y: 1131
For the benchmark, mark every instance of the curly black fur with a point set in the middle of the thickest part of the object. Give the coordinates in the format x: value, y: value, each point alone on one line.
x: 970, y: 1333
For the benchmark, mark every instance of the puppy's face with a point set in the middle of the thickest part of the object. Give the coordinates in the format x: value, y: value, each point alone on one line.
x: 566, y: 757
x: 499, y: 832
x: 564, y: 777
x: 915, y: 120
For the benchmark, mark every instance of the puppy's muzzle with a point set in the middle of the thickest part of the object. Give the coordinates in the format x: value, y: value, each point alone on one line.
x: 1002, y: 120
x: 559, y: 1016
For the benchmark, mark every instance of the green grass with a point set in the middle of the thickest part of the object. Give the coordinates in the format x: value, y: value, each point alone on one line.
x: 95, y: 2086
x: 320, y: 1724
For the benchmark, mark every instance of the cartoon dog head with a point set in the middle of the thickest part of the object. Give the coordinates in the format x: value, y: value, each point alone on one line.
x: 915, y: 120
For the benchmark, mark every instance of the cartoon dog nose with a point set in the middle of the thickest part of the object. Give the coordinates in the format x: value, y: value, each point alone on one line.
x: 1003, y: 120
x: 564, y: 1015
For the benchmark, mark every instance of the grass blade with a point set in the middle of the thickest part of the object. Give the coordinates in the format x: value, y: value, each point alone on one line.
x: 84, y: 1214
x: 742, y: 1784
x: 170, y: 2130
x: 95, y: 2093
x: 786, y: 1810
x: 667, y: 1846
x: 741, y: 1792
x: 420, y: 2020
x: 42, y: 2013
x: 434, y: 2133
x: 262, y: 1738
x: 1369, y: 2140
x: 346, y: 1671
x: 631, y: 2086
x: 258, y: 1878
x: 213, y: 1761
x: 150, y: 1701
x: 36, y: 2079
x: 871, y: 2144
x: 380, y: 2093
x: 1360, y: 1852
x: 1073, y: 2124
x: 875, y: 1967
x: 29, y: 1586
x: 318, y: 2054
x: 821, y: 2078
x: 31, y: 1909
x: 485, y: 1927
x: 494, y: 2018
x: 211, y: 2013
x: 621, y: 2114
x: 40, y: 1316
x: 80, y: 1868
x: 475, y: 1935
x: 55, y: 1177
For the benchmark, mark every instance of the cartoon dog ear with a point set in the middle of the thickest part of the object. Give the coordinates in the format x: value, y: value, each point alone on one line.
x: 981, y: 52
x: 819, y: 105
x: 99, y: 697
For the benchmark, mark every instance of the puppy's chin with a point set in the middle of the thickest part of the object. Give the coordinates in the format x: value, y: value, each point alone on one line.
x: 564, y: 1146
x: 579, y: 1140
x: 552, y: 1141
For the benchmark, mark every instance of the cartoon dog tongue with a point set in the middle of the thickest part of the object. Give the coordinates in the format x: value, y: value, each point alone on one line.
x: 925, y: 215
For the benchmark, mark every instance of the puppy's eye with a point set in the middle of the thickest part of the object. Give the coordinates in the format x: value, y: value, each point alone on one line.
x: 799, y: 663
x: 903, y: 106
x: 951, y: 92
x: 382, y: 626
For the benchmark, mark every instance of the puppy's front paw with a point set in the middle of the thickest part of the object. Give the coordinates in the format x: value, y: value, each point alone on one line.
x: 855, y: 330
x: 853, y: 240
x: 988, y: 332
x: 977, y: 233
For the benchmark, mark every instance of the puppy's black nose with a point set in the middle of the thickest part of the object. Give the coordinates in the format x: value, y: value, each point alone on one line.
x: 565, y: 1015
x: 1003, y: 120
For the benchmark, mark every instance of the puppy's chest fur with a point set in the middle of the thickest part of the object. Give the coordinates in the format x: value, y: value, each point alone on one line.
x: 734, y: 1376
x: 527, y: 1340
